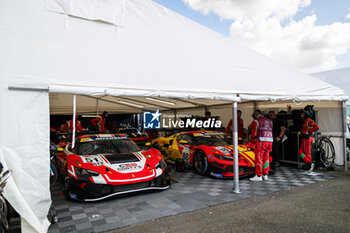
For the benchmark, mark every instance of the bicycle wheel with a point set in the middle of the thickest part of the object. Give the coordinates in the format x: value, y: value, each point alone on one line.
x: 3, y: 215
x: 326, y: 150
x: 53, y: 173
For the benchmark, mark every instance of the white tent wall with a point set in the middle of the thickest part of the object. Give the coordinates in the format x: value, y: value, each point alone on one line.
x: 24, y: 148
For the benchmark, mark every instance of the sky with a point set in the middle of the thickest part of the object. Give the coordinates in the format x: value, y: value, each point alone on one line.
x: 309, y: 35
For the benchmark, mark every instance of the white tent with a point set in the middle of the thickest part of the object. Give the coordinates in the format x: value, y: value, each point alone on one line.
x: 339, y: 78
x: 113, y: 50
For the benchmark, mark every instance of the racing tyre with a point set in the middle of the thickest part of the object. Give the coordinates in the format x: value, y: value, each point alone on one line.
x: 200, y: 162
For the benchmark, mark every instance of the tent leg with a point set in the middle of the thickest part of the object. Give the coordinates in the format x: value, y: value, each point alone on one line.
x: 74, y: 120
x: 344, y: 135
x: 235, y: 148
x: 255, y: 104
x: 97, y: 107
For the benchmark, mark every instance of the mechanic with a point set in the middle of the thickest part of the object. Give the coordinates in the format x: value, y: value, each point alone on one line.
x: 279, y: 128
x: 240, y: 127
x: 62, y: 123
x: 68, y: 127
x: 100, y: 121
x: 261, y: 134
x: 207, y: 115
x: 309, y: 126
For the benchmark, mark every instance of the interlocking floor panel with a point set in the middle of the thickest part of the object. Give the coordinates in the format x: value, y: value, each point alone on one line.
x: 190, y: 192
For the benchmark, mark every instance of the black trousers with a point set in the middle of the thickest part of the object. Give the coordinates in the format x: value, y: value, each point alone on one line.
x: 276, y: 147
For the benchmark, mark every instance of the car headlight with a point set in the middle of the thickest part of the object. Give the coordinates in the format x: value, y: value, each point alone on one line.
x: 82, y: 171
x: 223, y: 157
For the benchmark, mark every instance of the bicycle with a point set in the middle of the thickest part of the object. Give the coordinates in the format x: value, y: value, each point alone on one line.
x: 53, y: 169
x: 324, y: 151
x: 4, y: 225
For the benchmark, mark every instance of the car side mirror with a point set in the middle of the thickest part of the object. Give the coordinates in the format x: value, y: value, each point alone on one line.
x: 59, y: 149
x: 183, y: 142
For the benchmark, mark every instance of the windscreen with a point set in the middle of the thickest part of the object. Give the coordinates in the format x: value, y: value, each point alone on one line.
x: 119, y: 146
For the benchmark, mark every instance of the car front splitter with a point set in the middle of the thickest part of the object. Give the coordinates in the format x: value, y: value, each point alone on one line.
x: 119, y: 193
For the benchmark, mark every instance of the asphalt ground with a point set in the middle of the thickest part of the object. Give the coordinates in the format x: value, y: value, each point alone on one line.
x: 320, y: 207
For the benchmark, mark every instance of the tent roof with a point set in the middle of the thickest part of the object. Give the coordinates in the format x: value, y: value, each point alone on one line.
x: 138, y: 48
x: 62, y: 104
x: 339, y: 78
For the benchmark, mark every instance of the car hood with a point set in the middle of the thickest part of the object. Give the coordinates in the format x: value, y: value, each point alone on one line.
x: 123, y: 163
x: 121, y: 158
x: 244, y: 152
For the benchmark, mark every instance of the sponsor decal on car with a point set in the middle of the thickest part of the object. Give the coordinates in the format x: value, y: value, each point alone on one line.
x: 128, y: 167
x: 91, y: 139
x: 207, y: 134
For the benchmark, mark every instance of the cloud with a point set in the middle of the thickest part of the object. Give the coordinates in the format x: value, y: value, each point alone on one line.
x: 268, y: 27
x: 258, y: 9
x: 348, y: 15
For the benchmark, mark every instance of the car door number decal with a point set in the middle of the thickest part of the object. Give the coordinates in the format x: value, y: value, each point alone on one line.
x: 96, y: 161
x: 224, y: 150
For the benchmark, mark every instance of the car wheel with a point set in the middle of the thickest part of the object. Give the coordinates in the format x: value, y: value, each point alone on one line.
x: 200, y: 162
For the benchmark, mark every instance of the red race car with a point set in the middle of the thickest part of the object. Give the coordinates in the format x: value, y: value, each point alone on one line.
x: 105, y: 165
x: 135, y: 135
x: 207, y: 152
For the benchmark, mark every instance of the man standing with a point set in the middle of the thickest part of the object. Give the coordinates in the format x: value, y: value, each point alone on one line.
x: 279, y: 128
x: 207, y: 115
x: 240, y: 127
x: 68, y: 126
x: 100, y: 121
x: 261, y: 135
x: 309, y: 126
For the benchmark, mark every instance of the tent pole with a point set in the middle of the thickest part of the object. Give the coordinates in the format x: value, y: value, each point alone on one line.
x: 255, y: 104
x: 97, y: 107
x: 74, y: 120
x: 235, y: 148
x: 344, y: 135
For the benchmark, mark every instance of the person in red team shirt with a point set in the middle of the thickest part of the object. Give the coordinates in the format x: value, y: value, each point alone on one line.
x: 68, y: 126
x: 261, y: 135
x: 100, y: 121
x: 240, y: 127
x: 309, y: 126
